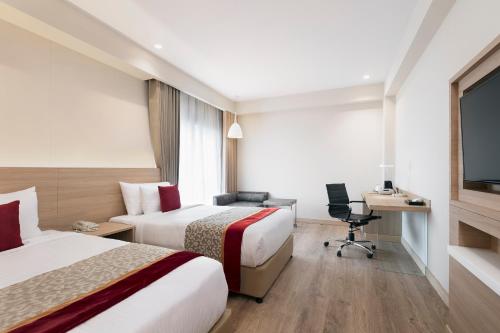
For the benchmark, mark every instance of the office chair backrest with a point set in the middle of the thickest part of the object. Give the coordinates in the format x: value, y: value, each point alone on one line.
x: 337, y: 194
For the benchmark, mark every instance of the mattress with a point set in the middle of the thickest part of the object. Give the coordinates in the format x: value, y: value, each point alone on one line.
x: 191, y: 298
x: 261, y: 240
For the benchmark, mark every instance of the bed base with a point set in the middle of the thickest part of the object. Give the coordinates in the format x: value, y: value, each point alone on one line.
x: 224, y: 324
x: 256, y: 281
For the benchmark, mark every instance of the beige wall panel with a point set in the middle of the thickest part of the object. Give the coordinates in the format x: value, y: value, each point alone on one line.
x: 94, y: 194
x: 61, y: 109
x: 45, y: 181
x: 66, y: 195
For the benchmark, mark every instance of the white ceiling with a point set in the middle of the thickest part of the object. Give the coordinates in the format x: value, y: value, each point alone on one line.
x: 261, y: 48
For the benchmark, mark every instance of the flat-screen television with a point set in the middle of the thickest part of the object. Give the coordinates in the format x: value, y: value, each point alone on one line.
x: 480, y: 124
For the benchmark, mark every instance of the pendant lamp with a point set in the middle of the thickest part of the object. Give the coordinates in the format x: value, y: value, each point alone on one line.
x: 235, y: 131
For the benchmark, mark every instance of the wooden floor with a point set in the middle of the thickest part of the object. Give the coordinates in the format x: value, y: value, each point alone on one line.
x: 319, y: 292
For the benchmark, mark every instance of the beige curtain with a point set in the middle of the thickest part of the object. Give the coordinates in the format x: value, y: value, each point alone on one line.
x: 164, y: 106
x: 230, y: 155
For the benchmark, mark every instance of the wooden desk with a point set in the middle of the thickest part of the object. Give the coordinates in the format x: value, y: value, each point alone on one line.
x: 415, y: 242
x: 380, y: 202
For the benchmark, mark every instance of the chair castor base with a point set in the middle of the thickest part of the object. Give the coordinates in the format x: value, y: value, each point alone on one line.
x: 369, y: 255
x: 326, y: 243
x: 259, y: 300
x: 374, y: 247
x: 339, y: 254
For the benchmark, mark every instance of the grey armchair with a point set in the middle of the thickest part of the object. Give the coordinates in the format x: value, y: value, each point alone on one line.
x: 241, y: 198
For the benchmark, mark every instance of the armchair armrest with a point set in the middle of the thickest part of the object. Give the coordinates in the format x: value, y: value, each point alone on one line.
x: 224, y: 199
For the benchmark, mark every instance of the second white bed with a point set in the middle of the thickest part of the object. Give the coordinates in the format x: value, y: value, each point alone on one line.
x: 189, y: 299
x: 261, y: 240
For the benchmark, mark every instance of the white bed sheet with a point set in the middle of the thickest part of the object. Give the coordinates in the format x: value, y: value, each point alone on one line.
x: 191, y: 298
x: 260, y: 240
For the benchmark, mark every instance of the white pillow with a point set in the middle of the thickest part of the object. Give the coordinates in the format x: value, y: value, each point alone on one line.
x: 150, y: 198
x: 132, y: 196
x: 28, y: 210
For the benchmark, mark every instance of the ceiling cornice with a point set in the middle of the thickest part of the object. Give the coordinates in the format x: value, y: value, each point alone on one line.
x: 351, y: 98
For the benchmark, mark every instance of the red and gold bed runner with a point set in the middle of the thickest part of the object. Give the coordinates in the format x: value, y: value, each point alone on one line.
x: 220, y: 236
x: 60, y: 300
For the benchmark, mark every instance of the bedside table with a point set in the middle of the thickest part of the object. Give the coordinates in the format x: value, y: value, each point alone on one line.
x: 114, y: 230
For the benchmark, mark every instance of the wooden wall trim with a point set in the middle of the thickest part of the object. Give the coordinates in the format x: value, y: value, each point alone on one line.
x: 66, y: 195
x: 485, y: 62
x: 474, y: 216
x: 473, y: 306
x: 476, y: 61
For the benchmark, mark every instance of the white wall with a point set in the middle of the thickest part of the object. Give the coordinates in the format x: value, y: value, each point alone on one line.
x: 59, y: 108
x: 422, y: 116
x: 64, y: 23
x: 293, y: 154
x: 388, y: 151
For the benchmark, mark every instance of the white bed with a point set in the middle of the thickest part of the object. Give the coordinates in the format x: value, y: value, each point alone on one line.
x: 189, y: 299
x: 260, y: 241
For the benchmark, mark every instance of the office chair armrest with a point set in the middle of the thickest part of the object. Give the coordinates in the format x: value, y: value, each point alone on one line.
x: 361, y: 201
x: 357, y: 201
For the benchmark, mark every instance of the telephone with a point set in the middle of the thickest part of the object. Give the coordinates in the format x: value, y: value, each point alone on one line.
x: 84, y: 226
x: 386, y: 191
x: 415, y: 202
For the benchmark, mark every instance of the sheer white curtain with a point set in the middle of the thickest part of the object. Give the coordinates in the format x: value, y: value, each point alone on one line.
x: 200, y: 151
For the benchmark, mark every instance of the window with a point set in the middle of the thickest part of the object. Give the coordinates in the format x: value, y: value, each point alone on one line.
x: 200, y: 151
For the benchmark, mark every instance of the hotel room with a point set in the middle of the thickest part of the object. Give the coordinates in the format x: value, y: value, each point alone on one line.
x: 249, y: 166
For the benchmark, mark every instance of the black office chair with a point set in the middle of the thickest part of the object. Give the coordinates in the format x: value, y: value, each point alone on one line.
x: 339, y: 207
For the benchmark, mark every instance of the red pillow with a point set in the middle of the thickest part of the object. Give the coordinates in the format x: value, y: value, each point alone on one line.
x: 169, y: 198
x: 10, y: 230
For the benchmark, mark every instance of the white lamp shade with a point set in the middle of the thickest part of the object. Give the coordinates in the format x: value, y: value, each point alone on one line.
x: 235, y: 131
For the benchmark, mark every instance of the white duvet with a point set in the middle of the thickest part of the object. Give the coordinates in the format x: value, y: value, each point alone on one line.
x: 261, y: 240
x: 191, y: 298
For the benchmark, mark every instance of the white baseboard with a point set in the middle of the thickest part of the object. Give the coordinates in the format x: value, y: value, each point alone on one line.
x: 438, y: 287
x: 338, y: 223
x: 413, y: 255
x: 323, y: 221
x: 385, y: 238
x: 443, y: 294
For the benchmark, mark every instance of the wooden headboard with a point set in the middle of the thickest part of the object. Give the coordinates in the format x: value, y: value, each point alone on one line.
x: 66, y: 195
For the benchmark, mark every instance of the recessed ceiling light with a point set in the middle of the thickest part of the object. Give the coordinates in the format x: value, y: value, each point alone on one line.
x: 158, y: 46
x: 366, y: 76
